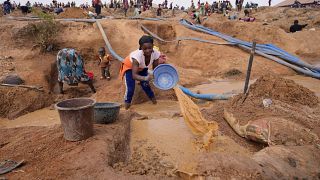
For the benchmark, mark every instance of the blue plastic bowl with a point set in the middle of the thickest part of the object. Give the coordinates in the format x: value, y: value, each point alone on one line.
x: 165, y: 76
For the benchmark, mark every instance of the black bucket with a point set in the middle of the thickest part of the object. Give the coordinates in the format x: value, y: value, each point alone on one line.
x: 106, y: 112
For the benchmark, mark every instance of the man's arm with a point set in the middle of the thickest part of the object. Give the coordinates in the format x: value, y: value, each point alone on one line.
x: 135, y: 75
x: 155, y: 63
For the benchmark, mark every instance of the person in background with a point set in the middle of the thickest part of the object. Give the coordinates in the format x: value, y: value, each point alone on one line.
x: 240, y: 5
x: 246, y: 13
x: 136, y: 66
x: 7, y: 7
x: 236, y: 3
x: 296, y: 26
x: 97, y: 5
x: 104, y: 63
x: 196, y: 16
x: 125, y: 7
x: 136, y: 11
x: 192, y: 5
x: 28, y: 4
x: 58, y: 10
x: 224, y: 7
x: 111, y: 4
x: 14, y: 5
x: 159, y: 10
x: 207, y: 8
x: 131, y: 3
x: 202, y: 9
x: 247, y: 6
x: 269, y: 2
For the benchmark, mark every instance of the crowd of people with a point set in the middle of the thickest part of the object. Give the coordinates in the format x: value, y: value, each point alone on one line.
x: 138, y: 6
x: 198, y: 13
x: 221, y: 7
x: 55, y: 6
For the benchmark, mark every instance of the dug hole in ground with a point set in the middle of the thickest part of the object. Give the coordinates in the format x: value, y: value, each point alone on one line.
x: 156, y: 141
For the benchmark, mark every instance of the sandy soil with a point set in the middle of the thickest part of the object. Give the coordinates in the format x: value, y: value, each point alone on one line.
x: 56, y: 157
x: 150, y: 147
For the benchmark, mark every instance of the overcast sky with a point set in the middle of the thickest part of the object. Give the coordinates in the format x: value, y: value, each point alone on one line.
x: 185, y: 3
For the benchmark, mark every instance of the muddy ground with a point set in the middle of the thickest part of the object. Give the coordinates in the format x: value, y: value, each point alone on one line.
x: 152, y: 141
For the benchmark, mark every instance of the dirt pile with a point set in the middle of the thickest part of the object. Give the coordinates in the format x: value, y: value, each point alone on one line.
x: 89, y: 158
x: 72, y: 13
x: 261, y: 34
x: 284, y: 90
x: 18, y: 101
x: 279, y: 90
x: 290, y: 118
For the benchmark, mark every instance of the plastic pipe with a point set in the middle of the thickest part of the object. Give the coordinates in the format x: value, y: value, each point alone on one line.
x: 209, y: 97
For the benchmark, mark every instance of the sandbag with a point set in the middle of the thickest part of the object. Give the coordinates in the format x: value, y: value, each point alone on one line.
x: 272, y: 131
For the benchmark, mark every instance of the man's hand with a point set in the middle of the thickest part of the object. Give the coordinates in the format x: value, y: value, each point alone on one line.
x: 162, y: 59
x: 148, y: 77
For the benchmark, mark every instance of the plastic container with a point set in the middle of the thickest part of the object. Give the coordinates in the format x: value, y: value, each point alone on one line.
x: 76, y: 116
x: 106, y: 112
x: 165, y: 77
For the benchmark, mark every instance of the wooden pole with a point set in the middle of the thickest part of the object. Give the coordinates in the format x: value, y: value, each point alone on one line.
x: 246, y: 85
x: 38, y: 88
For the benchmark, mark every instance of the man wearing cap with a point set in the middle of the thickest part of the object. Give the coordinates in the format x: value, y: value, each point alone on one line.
x: 136, y: 66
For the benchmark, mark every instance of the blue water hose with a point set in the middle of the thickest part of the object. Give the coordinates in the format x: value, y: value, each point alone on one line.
x: 208, y: 97
x: 264, y: 49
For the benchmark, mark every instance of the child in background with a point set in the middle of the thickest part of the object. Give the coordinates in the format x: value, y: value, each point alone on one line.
x: 105, y: 63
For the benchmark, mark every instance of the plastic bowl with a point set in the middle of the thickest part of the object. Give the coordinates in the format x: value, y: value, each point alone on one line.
x: 106, y: 112
x: 165, y: 77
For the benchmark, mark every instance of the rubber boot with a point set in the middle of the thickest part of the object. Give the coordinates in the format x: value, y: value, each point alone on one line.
x: 154, y: 100
x: 127, y: 105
